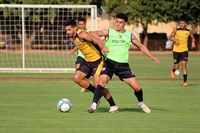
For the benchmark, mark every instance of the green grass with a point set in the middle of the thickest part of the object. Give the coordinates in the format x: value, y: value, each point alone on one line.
x: 30, y: 106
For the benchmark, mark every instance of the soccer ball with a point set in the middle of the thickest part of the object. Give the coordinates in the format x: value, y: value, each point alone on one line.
x: 64, y: 105
x: 177, y: 72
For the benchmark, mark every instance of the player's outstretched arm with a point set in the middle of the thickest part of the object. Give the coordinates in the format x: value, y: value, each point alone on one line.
x: 100, y: 33
x: 144, y: 49
x: 95, y: 39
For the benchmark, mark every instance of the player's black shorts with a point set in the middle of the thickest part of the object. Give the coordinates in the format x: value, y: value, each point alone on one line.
x: 180, y: 56
x: 92, y: 67
x: 79, y: 60
x: 122, y: 70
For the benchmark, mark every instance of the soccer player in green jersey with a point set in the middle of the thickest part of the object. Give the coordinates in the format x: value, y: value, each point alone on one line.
x: 116, y: 61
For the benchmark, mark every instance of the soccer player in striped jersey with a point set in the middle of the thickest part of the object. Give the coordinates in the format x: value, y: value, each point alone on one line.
x: 116, y: 61
x: 180, y: 36
x: 94, y: 60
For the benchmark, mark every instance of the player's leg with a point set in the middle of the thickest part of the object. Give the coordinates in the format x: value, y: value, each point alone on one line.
x: 184, y: 59
x: 80, y: 77
x: 126, y: 75
x: 133, y: 83
x: 106, y: 75
x: 176, y: 58
x: 103, y: 79
x: 79, y: 60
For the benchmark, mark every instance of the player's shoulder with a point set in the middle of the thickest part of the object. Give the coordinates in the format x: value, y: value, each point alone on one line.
x: 179, y: 28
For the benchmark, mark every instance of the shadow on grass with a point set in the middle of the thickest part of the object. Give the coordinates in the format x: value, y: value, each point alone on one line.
x: 106, y: 109
x: 189, y: 84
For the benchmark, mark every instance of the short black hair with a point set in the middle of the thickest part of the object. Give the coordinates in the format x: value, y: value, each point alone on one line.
x: 70, y: 22
x: 183, y: 19
x: 82, y: 19
x: 122, y: 16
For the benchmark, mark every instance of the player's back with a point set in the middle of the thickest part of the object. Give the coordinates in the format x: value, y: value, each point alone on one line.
x: 88, y: 49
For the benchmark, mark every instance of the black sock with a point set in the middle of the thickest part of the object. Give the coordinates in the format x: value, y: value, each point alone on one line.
x: 91, y: 88
x: 111, y: 101
x: 184, y: 77
x: 139, y: 95
x: 98, y: 93
x: 173, y: 70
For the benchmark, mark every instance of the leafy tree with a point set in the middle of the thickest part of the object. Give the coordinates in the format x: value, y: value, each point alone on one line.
x: 188, y: 9
x: 142, y: 12
x: 147, y: 12
x: 33, y: 23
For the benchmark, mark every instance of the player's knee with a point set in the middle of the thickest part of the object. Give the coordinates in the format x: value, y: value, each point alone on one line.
x: 137, y: 89
x: 76, y: 79
x: 102, y: 83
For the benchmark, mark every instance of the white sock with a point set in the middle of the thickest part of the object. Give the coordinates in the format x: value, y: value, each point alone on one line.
x: 140, y: 103
x: 94, y: 104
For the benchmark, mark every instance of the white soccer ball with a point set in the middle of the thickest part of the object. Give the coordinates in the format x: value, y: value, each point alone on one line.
x: 177, y: 72
x: 64, y: 105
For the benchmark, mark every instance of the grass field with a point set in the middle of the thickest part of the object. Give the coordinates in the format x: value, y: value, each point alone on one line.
x: 28, y: 102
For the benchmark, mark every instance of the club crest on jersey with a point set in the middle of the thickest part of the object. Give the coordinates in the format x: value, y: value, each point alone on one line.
x: 78, y: 42
x: 120, y: 36
x: 103, y: 69
x: 186, y: 33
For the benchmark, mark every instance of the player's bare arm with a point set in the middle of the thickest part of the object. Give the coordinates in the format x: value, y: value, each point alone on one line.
x: 144, y: 49
x: 95, y: 40
x: 74, y: 50
x: 100, y: 33
x: 171, y: 37
x: 193, y: 39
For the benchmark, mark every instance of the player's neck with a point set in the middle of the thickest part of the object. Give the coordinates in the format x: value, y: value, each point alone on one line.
x: 121, y: 31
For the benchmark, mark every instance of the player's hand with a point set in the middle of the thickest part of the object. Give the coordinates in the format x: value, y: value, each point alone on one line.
x: 104, y: 50
x: 72, y: 52
x: 193, y: 45
x: 176, y: 40
x: 155, y: 60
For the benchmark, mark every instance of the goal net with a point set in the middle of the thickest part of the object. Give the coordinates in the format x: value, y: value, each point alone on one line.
x: 33, y: 38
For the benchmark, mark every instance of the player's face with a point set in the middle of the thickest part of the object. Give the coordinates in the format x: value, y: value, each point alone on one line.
x: 71, y: 31
x: 120, y: 24
x: 81, y: 25
x: 182, y: 24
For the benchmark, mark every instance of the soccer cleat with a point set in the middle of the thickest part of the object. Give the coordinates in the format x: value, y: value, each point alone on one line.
x: 172, y: 74
x: 113, y: 109
x: 91, y: 109
x: 185, y: 84
x: 145, y: 108
x: 82, y: 89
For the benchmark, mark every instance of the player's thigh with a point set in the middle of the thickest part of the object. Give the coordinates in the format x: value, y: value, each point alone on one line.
x: 79, y: 60
x: 184, y: 64
x: 176, y: 57
x: 103, y: 79
x: 78, y: 76
x: 84, y: 68
x: 133, y: 83
x: 184, y: 56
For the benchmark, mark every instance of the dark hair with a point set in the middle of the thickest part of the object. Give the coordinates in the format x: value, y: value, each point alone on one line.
x: 122, y: 16
x: 183, y: 19
x: 81, y: 19
x: 70, y: 22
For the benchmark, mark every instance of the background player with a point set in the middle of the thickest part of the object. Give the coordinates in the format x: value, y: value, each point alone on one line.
x: 180, y: 36
x: 116, y: 61
x: 93, y: 63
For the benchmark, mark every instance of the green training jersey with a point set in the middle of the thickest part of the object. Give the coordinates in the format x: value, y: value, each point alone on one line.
x: 79, y: 52
x: 118, y: 44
